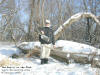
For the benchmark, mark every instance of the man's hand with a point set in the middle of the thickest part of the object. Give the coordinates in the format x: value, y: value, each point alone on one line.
x: 42, y: 32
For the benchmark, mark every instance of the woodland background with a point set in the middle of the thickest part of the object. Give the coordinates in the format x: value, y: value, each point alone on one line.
x: 20, y: 19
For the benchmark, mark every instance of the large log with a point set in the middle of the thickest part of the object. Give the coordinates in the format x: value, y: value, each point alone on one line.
x: 68, y: 57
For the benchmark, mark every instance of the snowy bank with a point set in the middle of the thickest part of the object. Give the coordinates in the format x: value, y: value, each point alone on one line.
x: 9, y: 50
x: 54, y: 67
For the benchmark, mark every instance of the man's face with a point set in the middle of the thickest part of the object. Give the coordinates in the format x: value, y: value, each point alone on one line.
x: 47, y: 24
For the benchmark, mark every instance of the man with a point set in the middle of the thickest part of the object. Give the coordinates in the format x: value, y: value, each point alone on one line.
x: 46, y: 45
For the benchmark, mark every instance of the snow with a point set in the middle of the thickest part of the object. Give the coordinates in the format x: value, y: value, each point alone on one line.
x: 68, y: 46
x: 54, y: 68
x: 32, y: 66
x: 7, y: 50
x: 71, y: 46
x: 29, y: 45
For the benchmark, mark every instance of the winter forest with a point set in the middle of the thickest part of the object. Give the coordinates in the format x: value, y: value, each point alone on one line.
x: 21, y: 23
x: 76, y: 27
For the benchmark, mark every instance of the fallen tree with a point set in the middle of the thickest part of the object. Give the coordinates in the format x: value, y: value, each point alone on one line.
x: 92, y: 58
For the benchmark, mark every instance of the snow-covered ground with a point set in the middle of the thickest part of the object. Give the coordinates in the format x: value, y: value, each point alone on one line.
x: 32, y: 66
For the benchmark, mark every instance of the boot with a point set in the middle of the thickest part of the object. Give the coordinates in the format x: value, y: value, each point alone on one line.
x: 42, y: 61
x: 46, y: 60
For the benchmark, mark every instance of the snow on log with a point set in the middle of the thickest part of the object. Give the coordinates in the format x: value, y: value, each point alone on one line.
x: 25, y: 47
x: 75, y: 18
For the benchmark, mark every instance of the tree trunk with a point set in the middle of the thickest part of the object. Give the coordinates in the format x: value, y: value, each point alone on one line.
x: 28, y: 35
x: 88, y: 35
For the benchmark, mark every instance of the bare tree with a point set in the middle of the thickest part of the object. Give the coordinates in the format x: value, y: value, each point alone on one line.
x: 73, y: 19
